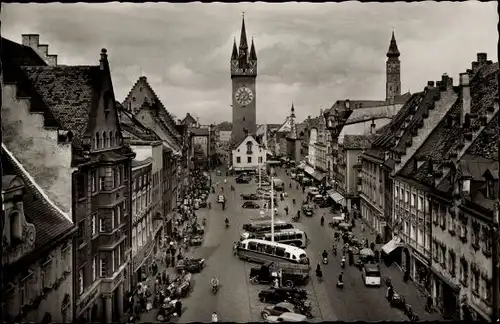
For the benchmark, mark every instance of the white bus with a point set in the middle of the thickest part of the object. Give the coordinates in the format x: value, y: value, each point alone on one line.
x: 263, y: 251
x: 294, y: 237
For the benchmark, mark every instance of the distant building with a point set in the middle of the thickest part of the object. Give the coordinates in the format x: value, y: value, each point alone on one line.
x: 224, y: 136
x: 248, y: 155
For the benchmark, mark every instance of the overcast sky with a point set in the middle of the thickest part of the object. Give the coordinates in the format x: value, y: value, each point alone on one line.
x: 311, y: 54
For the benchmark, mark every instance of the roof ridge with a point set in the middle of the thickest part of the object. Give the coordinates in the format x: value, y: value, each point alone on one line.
x: 28, y: 177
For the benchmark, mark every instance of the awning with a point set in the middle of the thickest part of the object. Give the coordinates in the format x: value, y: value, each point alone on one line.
x: 318, y: 175
x: 309, y: 170
x: 392, y: 245
x: 335, y: 196
x: 301, y: 166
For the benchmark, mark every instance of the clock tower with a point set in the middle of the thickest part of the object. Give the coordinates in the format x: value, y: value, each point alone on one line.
x: 243, y: 76
x: 393, y: 71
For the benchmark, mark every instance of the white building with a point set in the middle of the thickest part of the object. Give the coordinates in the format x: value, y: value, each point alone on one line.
x: 248, y: 155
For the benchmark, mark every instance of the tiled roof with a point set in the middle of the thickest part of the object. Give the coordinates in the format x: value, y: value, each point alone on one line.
x: 448, y: 133
x: 19, y: 55
x: 133, y: 128
x: 49, y: 223
x: 188, y: 119
x: 68, y: 92
x: 356, y: 142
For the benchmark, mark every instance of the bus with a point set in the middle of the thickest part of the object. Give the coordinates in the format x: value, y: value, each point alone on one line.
x: 295, y: 237
x: 265, y: 226
x: 262, y: 251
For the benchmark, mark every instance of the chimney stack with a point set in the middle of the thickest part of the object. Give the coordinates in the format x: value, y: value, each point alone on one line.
x: 446, y: 81
x: 104, y: 59
x: 466, y: 100
x: 482, y: 58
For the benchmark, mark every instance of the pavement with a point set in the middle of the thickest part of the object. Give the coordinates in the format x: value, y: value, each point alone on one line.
x: 237, y: 299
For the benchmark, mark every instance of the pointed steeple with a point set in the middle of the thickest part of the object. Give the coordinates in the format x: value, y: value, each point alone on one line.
x: 243, y: 37
x: 234, y: 56
x: 253, y: 55
x: 292, y: 111
x: 393, y: 48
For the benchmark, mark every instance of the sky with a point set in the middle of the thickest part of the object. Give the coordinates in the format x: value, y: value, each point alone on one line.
x: 308, y: 54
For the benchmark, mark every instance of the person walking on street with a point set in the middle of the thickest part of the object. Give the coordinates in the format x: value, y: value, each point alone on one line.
x: 286, y: 210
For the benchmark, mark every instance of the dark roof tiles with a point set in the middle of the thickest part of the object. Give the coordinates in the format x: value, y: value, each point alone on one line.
x: 357, y: 142
x: 68, y: 91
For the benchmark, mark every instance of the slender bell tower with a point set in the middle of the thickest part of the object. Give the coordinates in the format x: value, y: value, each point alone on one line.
x: 393, y: 70
x: 243, y: 93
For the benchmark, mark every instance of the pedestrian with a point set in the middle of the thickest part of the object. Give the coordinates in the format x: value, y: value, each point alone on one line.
x: 390, y: 293
x: 276, y: 283
x: 286, y: 210
x: 178, y: 308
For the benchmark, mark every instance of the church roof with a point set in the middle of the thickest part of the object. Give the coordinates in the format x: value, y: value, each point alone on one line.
x: 253, y: 55
x: 243, y: 36
x: 234, y: 55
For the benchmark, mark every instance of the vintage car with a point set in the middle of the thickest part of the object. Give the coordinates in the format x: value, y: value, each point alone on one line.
x: 291, y: 274
x: 250, y: 205
x: 308, y: 210
x: 250, y: 196
x: 196, y: 240
x: 277, y: 310
x: 277, y: 295
x: 190, y: 265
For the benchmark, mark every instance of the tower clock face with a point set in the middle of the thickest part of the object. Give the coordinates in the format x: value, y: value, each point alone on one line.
x: 243, y: 96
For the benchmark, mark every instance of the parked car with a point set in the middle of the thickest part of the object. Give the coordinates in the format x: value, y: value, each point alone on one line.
x: 324, y: 203
x: 277, y: 295
x: 250, y: 196
x: 286, y: 317
x: 243, y: 180
x: 277, y: 310
x: 308, y: 210
x: 250, y: 205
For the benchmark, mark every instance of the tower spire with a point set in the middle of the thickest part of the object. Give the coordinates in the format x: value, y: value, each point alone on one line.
x: 253, y: 55
x: 234, y: 56
x: 393, y: 47
x: 243, y: 37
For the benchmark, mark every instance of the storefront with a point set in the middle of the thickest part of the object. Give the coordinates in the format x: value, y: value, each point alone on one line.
x: 445, y: 293
x: 392, y: 251
x: 420, y: 271
x: 337, y: 198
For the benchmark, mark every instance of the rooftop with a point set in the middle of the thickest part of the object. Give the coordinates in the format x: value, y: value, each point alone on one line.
x: 357, y: 142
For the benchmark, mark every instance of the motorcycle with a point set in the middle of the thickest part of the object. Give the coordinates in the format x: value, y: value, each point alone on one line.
x: 325, y: 260
x: 334, y: 250
x: 295, y: 218
x: 340, y: 284
x: 322, y: 221
x: 342, y: 263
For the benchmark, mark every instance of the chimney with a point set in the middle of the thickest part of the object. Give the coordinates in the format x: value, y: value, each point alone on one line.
x: 31, y: 40
x: 482, y: 58
x: 104, y: 59
x: 466, y: 100
x: 430, y: 84
x: 446, y: 81
x: 372, y: 126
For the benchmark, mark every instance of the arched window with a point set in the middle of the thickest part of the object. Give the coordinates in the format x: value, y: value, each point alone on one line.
x: 249, y: 147
x: 111, y: 139
x: 105, y: 140
x: 97, y: 141
x: 15, y: 228
x: 117, y: 138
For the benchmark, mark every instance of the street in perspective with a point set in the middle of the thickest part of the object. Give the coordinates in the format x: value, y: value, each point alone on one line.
x: 250, y: 162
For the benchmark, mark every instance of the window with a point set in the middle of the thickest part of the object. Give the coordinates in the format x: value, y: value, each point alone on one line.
x: 117, y: 137
x: 97, y: 141
x: 407, y: 194
x: 111, y: 139
x: 80, y: 281
x: 113, y: 255
x: 94, y: 224
x: 452, y: 262
x: 102, y: 181
x: 80, y: 185
x: 105, y: 140
x: 464, y: 272
x: 249, y: 159
x: 402, y: 194
x: 396, y: 192
x: 413, y: 198
x: 490, y: 189
x: 114, y: 175
x: 260, y: 159
x: 94, y: 268
x: 102, y: 267
x: 420, y: 206
x: 118, y: 214
x: 120, y: 174
x: 119, y: 255
x: 475, y: 281
x: 93, y: 180
x: 238, y: 159
x: 101, y: 225
x: 112, y: 219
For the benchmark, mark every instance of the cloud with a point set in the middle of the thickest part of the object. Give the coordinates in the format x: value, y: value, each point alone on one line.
x: 311, y: 54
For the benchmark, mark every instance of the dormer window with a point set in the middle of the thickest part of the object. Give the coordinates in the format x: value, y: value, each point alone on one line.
x: 490, y: 188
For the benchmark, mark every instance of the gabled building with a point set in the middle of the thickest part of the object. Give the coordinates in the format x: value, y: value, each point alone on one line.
x: 249, y: 155
x: 61, y: 125
x: 445, y: 191
x: 144, y: 104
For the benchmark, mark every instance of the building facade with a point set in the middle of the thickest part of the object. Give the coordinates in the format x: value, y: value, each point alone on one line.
x: 243, y: 93
x: 249, y: 155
